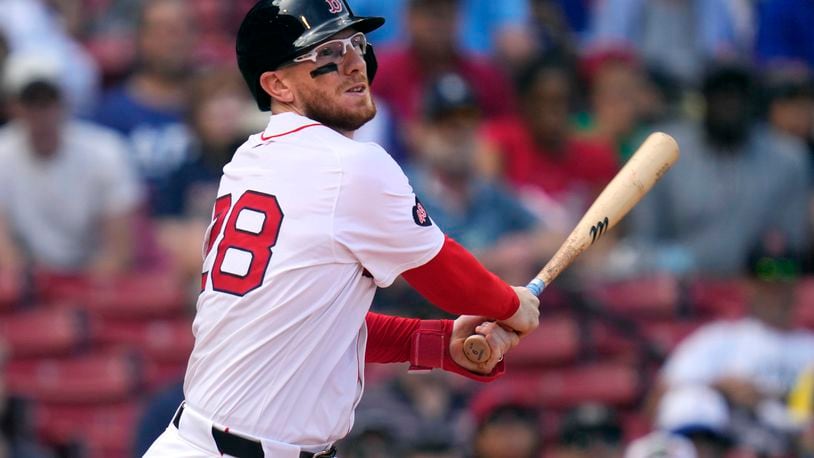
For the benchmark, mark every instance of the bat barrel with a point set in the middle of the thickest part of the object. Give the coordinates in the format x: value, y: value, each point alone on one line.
x: 647, y: 165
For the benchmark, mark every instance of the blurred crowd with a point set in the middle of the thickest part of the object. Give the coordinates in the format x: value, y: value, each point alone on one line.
x: 509, y: 117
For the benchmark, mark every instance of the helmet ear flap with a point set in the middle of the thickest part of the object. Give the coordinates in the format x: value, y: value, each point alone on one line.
x: 372, y: 63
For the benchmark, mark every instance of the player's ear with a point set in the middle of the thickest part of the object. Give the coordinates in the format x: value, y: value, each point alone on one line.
x: 276, y: 86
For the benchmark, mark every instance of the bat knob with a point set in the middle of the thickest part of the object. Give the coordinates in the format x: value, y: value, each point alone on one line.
x: 477, y: 349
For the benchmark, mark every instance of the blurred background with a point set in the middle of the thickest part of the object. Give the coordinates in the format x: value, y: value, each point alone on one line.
x: 688, y: 331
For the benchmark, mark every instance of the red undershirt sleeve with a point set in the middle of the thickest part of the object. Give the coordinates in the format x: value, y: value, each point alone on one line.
x: 458, y: 283
x: 424, y: 343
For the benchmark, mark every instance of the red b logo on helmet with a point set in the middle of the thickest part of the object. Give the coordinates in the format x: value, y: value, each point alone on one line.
x: 336, y: 6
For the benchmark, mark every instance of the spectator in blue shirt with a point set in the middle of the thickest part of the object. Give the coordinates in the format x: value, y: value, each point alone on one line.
x: 486, y: 27
x: 483, y: 216
x: 149, y: 108
x: 677, y: 37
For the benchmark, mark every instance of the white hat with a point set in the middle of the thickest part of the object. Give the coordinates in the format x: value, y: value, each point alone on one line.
x: 20, y: 70
x: 661, y: 445
x: 693, y: 408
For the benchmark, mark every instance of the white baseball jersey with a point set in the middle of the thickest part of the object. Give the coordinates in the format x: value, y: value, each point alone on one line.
x: 307, y: 224
x: 746, y: 348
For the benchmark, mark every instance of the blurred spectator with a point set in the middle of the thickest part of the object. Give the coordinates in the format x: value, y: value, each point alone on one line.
x: 220, y: 114
x: 801, y: 406
x: 409, y: 408
x: 218, y: 120
x: 589, y: 431
x: 484, y: 27
x: 431, y: 51
x: 753, y: 361
x: 4, y: 52
x: 433, y: 444
x: 784, y: 31
x: 371, y: 438
x: 551, y: 28
x: 509, y: 431
x: 661, y: 445
x: 34, y: 27
x: 150, y: 106
x: 678, y: 37
x: 540, y: 157
x: 576, y: 12
x: 700, y: 414
x: 790, y: 102
x: 617, y: 91
x: 68, y: 193
x: 481, y: 215
x: 733, y: 184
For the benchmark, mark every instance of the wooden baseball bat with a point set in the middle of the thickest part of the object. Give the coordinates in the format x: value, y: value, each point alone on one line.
x: 649, y: 163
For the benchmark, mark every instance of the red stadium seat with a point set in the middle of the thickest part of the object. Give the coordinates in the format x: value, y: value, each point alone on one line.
x: 609, y: 341
x: 88, y: 379
x: 644, y: 297
x: 106, y: 430
x: 166, y: 340
x: 555, y: 341
x: 804, y: 307
x: 718, y: 298
x: 44, y: 332
x: 668, y: 334
x: 605, y: 383
x: 11, y: 290
x: 160, y: 374
x: 142, y: 295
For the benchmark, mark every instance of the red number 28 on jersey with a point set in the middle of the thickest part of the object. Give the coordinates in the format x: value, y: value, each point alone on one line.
x: 244, y: 251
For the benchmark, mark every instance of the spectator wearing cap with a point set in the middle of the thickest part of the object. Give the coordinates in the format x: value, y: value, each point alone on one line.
x: 36, y: 27
x: 555, y: 173
x: 67, y: 192
x: 735, y: 182
x: 616, y: 86
x: 431, y: 50
x: 149, y: 108
x: 589, y: 431
x: 752, y: 361
x: 482, y: 215
x: 699, y: 414
x: 509, y: 430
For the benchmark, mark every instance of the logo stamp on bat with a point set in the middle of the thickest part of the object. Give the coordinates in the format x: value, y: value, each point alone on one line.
x: 598, y: 229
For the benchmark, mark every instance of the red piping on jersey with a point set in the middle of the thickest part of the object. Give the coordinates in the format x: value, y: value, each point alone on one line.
x: 264, y: 138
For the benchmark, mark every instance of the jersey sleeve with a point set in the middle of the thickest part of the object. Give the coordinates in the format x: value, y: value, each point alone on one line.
x: 378, y: 218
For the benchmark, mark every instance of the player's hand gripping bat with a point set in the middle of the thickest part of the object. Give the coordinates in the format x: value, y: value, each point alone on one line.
x: 649, y: 163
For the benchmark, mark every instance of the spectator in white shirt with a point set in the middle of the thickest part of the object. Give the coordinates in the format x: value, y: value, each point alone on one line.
x: 67, y: 191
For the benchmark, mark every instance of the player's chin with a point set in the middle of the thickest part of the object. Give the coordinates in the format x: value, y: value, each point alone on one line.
x: 362, y: 105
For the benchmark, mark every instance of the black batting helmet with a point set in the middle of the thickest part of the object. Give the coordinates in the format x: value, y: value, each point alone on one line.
x: 275, y: 31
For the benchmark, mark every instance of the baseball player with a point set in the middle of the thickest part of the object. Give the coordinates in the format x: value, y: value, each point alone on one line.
x: 307, y: 224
